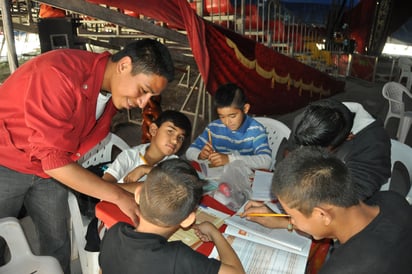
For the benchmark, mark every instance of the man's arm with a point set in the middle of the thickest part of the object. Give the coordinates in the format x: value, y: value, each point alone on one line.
x: 80, y: 179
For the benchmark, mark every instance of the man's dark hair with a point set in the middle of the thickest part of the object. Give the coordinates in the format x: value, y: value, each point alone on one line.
x: 230, y: 95
x: 170, y: 193
x: 311, y: 176
x: 149, y: 57
x: 325, y: 123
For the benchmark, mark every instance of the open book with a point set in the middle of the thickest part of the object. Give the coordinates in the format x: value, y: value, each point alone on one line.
x: 277, y: 238
x: 258, y: 258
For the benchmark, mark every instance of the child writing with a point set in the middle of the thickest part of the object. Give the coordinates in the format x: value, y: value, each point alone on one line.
x: 317, y: 191
x: 168, y: 200
x: 234, y: 136
x: 168, y: 132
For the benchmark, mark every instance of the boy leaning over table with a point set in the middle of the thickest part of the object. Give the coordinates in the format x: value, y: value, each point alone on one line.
x: 168, y: 200
x: 317, y: 191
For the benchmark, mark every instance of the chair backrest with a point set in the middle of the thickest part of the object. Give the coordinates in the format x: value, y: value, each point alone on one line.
x: 277, y: 131
x: 405, y: 64
x: 22, y: 259
x: 402, y: 153
x: 393, y: 92
x: 101, y: 153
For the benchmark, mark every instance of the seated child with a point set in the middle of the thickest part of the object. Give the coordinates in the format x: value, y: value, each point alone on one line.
x: 168, y: 132
x: 317, y: 191
x: 234, y: 136
x: 168, y: 200
x: 353, y: 135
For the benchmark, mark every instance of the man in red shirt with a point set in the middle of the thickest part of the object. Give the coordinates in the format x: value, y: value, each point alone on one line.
x: 53, y: 109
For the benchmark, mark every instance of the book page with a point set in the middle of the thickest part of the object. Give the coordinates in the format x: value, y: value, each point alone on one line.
x: 258, y: 258
x: 261, y: 186
x: 234, y: 231
x: 277, y: 237
x: 202, y: 214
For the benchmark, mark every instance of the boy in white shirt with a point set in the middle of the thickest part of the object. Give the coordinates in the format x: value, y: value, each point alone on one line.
x: 168, y: 133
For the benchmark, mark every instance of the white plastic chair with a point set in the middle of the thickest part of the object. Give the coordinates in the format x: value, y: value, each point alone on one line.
x: 394, y: 92
x: 277, y: 131
x: 101, y: 153
x: 405, y: 66
x: 22, y: 259
x: 401, y: 153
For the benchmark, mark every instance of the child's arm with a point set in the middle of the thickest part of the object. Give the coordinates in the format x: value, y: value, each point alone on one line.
x: 137, y: 173
x: 230, y: 262
x: 131, y: 187
x: 109, y: 177
x: 260, y: 207
x: 260, y: 161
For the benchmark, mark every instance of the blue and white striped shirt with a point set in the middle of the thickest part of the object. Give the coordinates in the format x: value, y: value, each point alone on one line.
x: 249, y: 143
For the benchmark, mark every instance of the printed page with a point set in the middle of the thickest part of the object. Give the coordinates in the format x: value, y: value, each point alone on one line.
x: 277, y: 237
x: 259, y: 259
x: 261, y: 186
x: 234, y: 231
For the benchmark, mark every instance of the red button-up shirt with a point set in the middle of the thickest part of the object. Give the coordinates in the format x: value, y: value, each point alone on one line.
x: 48, y: 110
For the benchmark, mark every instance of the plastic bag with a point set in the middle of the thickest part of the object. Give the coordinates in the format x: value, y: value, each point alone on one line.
x: 235, y: 185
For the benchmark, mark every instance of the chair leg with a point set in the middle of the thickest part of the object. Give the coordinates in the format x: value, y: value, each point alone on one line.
x: 403, y: 129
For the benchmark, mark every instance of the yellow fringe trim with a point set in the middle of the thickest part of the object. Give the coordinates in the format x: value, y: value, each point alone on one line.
x: 271, y: 74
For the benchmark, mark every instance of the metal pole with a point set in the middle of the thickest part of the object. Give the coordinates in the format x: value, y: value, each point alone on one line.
x: 9, y: 35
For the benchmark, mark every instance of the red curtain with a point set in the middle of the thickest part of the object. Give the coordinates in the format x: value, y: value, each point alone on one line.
x: 273, y: 83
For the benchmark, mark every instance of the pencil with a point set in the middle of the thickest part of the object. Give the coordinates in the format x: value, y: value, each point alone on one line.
x: 210, y: 138
x: 267, y: 215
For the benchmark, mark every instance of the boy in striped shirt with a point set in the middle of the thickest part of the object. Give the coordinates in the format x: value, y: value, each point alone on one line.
x: 234, y: 136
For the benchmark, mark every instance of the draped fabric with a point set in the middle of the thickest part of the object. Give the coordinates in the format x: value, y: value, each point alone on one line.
x: 273, y: 83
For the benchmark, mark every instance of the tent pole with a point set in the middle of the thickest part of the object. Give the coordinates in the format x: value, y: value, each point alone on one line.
x: 9, y: 35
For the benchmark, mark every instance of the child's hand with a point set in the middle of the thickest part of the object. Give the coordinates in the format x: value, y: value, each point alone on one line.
x: 218, y: 159
x: 205, y: 231
x: 137, y: 173
x: 260, y: 207
x: 205, y: 152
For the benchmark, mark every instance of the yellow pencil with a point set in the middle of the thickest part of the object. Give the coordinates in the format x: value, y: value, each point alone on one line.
x: 267, y: 215
x: 210, y: 138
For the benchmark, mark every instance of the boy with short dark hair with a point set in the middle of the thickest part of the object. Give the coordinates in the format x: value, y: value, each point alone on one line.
x: 234, y: 136
x: 168, y: 200
x: 317, y: 191
x: 353, y: 135
x: 168, y: 131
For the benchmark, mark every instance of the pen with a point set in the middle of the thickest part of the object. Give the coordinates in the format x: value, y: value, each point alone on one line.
x: 267, y: 215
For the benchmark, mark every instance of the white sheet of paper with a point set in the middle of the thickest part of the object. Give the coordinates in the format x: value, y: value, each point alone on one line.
x: 261, y: 186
